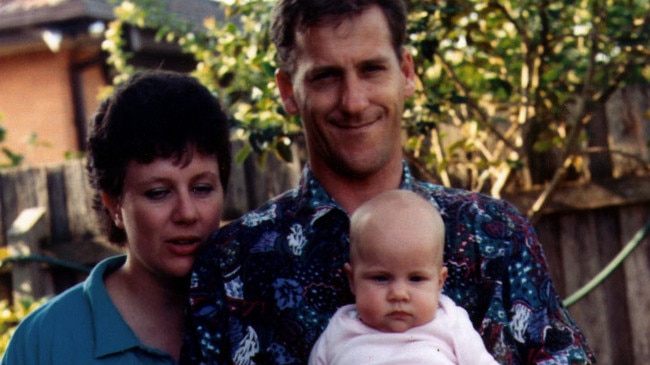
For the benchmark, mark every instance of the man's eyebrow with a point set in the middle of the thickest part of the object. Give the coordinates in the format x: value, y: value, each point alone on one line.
x: 377, y: 59
x: 321, y: 68
x: 380, y: 60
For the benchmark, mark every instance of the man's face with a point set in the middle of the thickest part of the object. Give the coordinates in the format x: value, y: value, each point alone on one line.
x: 349, y: 87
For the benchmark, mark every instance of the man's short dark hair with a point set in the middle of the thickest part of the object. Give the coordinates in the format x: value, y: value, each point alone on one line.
x: 292, y: 16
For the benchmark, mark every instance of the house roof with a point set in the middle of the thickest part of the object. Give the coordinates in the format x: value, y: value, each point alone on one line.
x: 23, y: 21
x: 29, y: 13
x: 15, y: 14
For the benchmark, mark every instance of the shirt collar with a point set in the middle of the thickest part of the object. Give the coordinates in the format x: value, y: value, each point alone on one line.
x: 312, y: 196
x: 111, y: 333
x: 407, y: 177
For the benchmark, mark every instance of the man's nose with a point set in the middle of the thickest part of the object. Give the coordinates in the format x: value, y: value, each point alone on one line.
x: 354, y: 97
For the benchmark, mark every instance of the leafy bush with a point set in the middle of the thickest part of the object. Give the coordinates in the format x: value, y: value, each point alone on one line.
x: 10, y: 316
x: 12, y: 159
x: 505, y: 88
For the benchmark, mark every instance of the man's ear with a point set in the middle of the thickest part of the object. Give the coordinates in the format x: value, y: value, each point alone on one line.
x: 408, y: 70
x: 348, y: 272
x: 283, y: 79
x: 113, y: 205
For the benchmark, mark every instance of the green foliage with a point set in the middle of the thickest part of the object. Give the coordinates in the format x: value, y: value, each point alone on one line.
x: 12, y: 158
x: 499, y: 82
x: 506, y: 74
x: 236, y: 62
x: 10, y: 317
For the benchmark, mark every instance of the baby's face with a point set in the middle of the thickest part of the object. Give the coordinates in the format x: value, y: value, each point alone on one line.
x: 397, y: 282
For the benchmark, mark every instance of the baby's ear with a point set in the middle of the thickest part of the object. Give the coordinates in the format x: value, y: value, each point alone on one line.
x: 443, y: 276
x: 348, y: 272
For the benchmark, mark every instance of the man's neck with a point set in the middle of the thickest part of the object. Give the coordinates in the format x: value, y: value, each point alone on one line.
x: 351, y: 192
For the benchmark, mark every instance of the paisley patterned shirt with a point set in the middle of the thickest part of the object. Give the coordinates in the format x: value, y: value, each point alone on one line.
x: 265, y: 286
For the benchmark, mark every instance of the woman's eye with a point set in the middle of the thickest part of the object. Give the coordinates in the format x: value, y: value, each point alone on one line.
x: 203, y: 189
x: 156, y: 194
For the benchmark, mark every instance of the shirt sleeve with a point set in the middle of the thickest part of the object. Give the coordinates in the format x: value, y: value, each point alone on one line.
x: 498, y: 273
x: 539, y: 328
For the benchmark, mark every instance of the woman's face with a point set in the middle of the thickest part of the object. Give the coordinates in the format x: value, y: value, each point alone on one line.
x: 168, y: 209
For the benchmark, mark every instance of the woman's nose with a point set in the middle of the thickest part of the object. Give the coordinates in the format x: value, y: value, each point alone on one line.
x: 185, y: 210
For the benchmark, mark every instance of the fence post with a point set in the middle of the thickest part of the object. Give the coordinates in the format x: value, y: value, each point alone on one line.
x: 24, y: 237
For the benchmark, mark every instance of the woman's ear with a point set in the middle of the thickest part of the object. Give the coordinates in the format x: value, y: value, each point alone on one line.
x: 113, y: 205
x: 283, y: 79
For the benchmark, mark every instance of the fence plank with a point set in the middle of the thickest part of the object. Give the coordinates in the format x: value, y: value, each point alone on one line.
x: 22, y: 188
x: 264, y: 181
x: 236, y: 202
x: 637, y: 272
x: 58, y: 207
x: 617, y: 321
x: 25, y: 236
x: 82, y: 220
x: 548, y: 234
x: 580, y: 264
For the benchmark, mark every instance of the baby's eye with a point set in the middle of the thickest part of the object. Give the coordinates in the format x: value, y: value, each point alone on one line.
x: 417, y: 278
x: 380, y: 278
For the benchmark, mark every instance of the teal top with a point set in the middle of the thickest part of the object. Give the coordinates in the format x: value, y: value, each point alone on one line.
x: 81, y: 326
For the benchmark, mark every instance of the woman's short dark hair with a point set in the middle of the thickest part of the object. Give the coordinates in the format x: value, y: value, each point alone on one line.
x: 291, y: 16
x: 155, y: 114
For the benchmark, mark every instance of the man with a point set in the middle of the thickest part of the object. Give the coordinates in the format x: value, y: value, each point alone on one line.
x: 267, y: 284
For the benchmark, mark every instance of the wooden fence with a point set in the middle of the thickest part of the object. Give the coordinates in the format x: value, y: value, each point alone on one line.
x: 582, y: 229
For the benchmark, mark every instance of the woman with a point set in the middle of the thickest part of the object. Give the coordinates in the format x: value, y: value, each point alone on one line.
x: 159, y: 159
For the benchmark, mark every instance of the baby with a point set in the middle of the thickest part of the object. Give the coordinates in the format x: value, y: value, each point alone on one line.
x: 396, y: 273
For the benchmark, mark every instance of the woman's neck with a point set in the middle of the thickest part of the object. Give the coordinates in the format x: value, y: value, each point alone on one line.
x: 151, y: 305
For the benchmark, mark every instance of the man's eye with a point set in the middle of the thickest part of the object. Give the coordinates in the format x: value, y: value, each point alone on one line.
x: 373, y: 68
x: 323, y: 76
